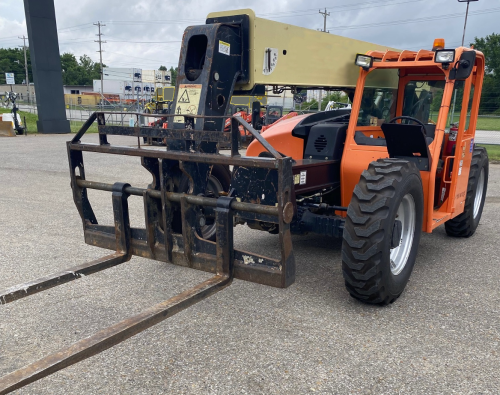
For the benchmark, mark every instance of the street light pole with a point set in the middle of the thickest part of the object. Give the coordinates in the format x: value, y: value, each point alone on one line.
x: 466, y: 14
x: 463, y: 39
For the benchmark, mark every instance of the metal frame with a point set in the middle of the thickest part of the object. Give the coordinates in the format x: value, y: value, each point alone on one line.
x: 157, y: 240
x: 356, y: 157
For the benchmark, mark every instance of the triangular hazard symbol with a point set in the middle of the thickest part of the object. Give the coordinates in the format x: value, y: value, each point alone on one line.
x: 184, y: 97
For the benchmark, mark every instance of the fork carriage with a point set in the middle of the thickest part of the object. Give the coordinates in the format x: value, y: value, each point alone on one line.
x: 161, y: 239
x: 166, y: 236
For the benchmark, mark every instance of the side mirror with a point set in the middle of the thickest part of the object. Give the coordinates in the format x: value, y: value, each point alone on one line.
x: 463, y: 68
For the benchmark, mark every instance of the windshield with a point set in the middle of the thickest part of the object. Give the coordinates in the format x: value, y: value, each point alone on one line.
x: 422, y: 100
x: 378, y: 104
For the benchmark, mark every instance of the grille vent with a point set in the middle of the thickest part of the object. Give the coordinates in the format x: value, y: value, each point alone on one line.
x: 320, y: 143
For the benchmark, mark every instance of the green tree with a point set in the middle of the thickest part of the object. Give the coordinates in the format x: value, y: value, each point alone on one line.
x: 80, y: 72
x: 339, y: 97
x: 173, y: 73
x: 490, y: 47
x: 90, y: 70
x: 490, y: 97
x: 12, y: 61
x: 74, y: 72
x: 310, y: 105
x: 162, y: 68
x: 70, y: 69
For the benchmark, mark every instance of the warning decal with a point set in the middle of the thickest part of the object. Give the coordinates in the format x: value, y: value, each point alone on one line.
x: 224, y: 48
x: 184, y: 97
x: 188, y: 101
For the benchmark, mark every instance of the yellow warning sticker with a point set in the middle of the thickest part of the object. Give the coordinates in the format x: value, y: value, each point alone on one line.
x: 188, y: 101
x: 224, y: 48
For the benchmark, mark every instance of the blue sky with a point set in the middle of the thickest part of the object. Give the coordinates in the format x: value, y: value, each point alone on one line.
x: 145, y: 34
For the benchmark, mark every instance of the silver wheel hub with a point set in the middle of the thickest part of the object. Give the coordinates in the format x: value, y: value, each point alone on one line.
x: 406, y: 215
x: 479, y: 194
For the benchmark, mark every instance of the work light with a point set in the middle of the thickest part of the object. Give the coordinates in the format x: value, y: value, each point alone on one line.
x: 444, y: 56
x: 364, y: 61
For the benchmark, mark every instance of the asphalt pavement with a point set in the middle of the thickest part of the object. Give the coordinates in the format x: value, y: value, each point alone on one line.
x: 440, y: 337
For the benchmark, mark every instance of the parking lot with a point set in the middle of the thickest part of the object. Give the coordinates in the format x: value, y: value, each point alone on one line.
x: 441, y: 337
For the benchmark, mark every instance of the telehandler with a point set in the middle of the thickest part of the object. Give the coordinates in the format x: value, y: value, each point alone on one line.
x: 161, y: 102
x: 377, y: 174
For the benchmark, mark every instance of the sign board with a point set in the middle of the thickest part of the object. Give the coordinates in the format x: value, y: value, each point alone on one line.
x: 9, y: 78
x: 188, y: 101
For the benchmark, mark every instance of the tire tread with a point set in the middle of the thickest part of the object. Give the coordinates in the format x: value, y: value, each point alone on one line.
x: 364, y: 232
x: 463, y: 225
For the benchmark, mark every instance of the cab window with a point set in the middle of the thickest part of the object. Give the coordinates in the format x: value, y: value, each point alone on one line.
x: 378, y: 103
x: 422, y: 100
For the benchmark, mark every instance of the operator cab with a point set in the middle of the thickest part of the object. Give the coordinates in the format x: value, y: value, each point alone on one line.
x: 273, y: 113
x: 234, y: 108
x: 421, y: 104
x: 398, y: 110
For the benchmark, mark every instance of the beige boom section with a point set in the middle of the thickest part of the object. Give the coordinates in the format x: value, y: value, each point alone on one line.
x: 286, y: 55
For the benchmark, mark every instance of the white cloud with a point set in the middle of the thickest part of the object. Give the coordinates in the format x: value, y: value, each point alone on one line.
x: 147, y: 33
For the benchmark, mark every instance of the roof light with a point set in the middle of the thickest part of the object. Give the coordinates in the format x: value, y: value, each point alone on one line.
x: 438, y: 44
x: 364, y: 61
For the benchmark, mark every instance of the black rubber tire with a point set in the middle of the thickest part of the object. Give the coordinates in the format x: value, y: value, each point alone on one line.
x: 223, y: 176
x: 464, y: 225
x: 371, y: 215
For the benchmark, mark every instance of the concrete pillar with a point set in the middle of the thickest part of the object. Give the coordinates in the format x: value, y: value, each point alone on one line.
x: 46, y: 66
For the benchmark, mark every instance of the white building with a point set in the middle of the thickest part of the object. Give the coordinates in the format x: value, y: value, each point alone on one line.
x: 132, y: 83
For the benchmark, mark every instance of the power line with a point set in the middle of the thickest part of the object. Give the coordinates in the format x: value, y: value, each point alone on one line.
x: 338, y: 9
x: 415, y: 20
x: 144, y: 42
x: 149, y: 22
x: 74, y: 30
x: 7, y: 38
x: 137, y: 57
x: 59, y: 30
x: 70, y: 27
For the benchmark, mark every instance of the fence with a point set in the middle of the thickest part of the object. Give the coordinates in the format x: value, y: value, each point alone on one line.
x: 487, y: 130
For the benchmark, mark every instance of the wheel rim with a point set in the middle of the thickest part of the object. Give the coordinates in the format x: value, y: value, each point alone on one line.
x: 479, y: 194
x: 405, y: 214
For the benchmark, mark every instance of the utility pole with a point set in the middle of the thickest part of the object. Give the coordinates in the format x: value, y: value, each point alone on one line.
x: 26, y: 67
x: 466, y: 13
x: 99, y: 24
x: 325, y: 14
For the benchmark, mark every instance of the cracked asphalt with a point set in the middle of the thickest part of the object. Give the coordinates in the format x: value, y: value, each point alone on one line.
x: 440, y: 337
